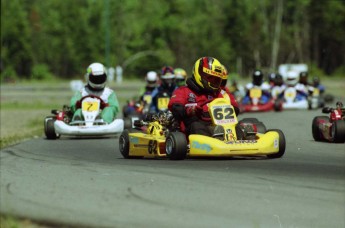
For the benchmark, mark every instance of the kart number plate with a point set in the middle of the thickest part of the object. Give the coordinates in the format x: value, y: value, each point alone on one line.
x: 290, y: 94
x: 147, y: 99
x: 255, y: 93
x: 163, y: 103
x: 90, y: 106
x: 223, y: 114
x: 316, y: 92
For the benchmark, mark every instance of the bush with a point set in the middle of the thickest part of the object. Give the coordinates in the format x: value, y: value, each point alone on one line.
x: 9, y: 75
x: 339, y: 72
x: 315, y: 71
x: 41, y: 72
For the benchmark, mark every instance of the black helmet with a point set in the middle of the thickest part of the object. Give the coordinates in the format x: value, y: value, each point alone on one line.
x: 278, y: 80
x: 271, y: 77
x: 303, y: 77
x: 258, y: 76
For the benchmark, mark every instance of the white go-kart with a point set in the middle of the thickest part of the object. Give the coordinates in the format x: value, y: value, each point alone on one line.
x: 91, y: 124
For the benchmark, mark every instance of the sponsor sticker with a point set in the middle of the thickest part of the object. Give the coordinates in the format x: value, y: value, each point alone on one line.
x: 241, y: 142
x: 276, y: 143
x: 202, y: 146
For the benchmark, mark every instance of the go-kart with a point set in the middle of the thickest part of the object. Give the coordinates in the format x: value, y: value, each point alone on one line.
x: 230, y: 138
x: 332, y: 128
x: 255, y: 104
x: 91, y: 125
x: 136, y: 110
x: 293, y: 100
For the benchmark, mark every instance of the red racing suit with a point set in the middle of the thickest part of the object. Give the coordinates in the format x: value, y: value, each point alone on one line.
x: 185, y: 97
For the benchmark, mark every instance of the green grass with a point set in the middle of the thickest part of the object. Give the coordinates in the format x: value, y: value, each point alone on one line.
x: 33, y: 128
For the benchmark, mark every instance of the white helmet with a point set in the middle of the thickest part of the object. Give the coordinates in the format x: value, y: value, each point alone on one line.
x: 97, y: 76
x: 292, y: 78
x: 151, y: 78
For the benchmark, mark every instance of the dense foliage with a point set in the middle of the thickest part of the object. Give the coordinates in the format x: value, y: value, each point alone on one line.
x: 62, y: 37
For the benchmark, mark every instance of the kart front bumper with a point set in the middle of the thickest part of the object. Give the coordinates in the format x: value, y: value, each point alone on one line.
x: 296, y: 105
x: 257, y: 108
x: 115, y: 127
x: 203, y: 146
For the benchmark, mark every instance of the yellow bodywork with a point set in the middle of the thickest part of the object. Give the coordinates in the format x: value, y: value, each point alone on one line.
x: 149, y: 144
x: 204, y: 146
x: 152, y: 143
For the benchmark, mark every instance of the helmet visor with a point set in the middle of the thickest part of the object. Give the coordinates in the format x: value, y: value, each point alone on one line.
x: 213, y: 82
x: 98, y: 79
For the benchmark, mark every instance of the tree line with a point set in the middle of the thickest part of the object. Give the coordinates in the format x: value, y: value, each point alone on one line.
x: 54, y: 37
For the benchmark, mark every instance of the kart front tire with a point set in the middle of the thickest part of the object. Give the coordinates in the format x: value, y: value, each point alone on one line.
x: 124, y: 144
x: 176, y: 146
x: 49, y: 129
x: 278, y: 106
x: 317, y: 134
x: 338, y: 131
x: 282, y: 144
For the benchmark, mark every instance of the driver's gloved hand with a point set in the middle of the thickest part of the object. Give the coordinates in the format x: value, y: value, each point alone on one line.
x: 78, y: 104
x: 148, y: 117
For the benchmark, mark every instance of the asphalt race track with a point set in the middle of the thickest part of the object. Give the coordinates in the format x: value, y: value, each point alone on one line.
x: 86, y: 182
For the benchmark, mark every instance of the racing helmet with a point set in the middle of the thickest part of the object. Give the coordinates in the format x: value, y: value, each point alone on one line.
x: 151, y: 79
x: 208, y: 74
x: 258, y: 77
x: 168, y: 77
x: 271, y: 77
x: 278, y: 80
x: 316, y: 81
x: 303, y: 77
x: 225, y: 77
x: 96, y: 76
x: 292, y: 78
x: 180, y: 76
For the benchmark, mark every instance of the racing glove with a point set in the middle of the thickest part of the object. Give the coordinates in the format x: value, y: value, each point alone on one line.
x: 194, y: 110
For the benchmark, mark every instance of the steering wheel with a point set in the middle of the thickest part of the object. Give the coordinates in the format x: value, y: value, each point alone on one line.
x: 102, y: 103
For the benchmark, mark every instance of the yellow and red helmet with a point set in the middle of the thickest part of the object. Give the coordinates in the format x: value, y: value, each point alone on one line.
x: 208, y: 73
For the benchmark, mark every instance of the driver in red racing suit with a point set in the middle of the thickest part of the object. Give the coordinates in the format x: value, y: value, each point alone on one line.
x: 188, y: 104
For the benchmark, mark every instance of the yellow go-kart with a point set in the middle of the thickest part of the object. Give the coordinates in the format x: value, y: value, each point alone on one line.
x: 230, y: 138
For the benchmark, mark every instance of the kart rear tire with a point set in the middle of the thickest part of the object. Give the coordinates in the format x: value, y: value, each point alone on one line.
x: 338, y: 131
x: 127, y: 123
x: 49, y: 129
x: 124, y: 144
x: 278, y: 106
x: 317, y: 134
x: 176, y: 146
x: 282, y: 144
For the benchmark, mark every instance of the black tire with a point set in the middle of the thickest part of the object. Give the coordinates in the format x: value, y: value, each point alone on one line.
x: 328, y: 98
x: 176, y: 146
x: 278, y: 106
x: 127, y: 123
x: 282, y: 144
x: 124, y: 144
x: 49, y: 129
x: 338, y: 131
x: 317, y: 134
